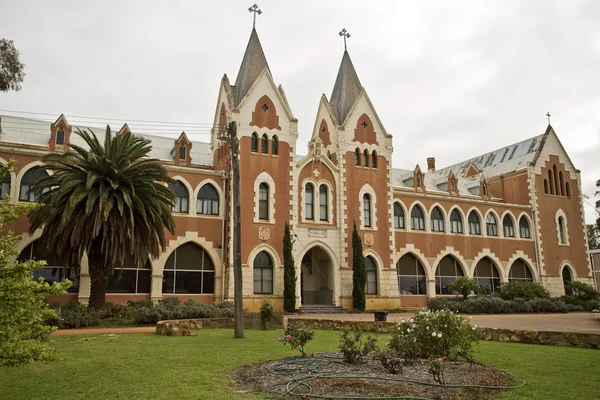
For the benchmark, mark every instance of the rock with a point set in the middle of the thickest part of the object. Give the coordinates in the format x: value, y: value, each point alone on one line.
x: 531, y: 334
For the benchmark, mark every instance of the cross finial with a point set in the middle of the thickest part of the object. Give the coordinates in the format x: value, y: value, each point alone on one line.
x: 345, y: 34
x: 548, y: 115
x: 254, y: 9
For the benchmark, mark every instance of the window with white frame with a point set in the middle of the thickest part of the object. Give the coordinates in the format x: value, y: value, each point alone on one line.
x: 54, y: 270
x: 357, y: 157
x: 60, y: 137
x: 417, y: 218
x: 508, y: 226
x: 524, y: 231
x: 398, y: 216
x: 448, y: 270
x: 474, y: 223
x: 371, y: 275
x: 456, y: 222
x: 437, y: 220
x: 411, y: 276
x: 309, y: 201
x: 129, y: 278
x: 561, y: 230
x: 28, y: 182
x: 323, y: 203
x: 367, y: 210
x: 254, y: 143
x: 265, y: 144
x: 366, y: 158
x: 263, y: 201
x: 491, y: 225
x: 374, y: 159
x: 181, y: 197
x: 486, y: 274
x: 263, y: 273
x: 208, y: 200
x: 274, y: 146
x: 519, y: 272
x: 189, y: 270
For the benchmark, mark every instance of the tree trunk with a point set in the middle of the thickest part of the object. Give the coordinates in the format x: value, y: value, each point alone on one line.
x: 99, y: 276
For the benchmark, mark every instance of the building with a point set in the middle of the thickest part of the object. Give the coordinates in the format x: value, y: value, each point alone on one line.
x: 511, y: 214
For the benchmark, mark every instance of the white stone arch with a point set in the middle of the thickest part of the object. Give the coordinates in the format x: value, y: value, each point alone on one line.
x: 498, y: 264
x: 310, y: 157
x: 450, y: 251
x: 523, y: 214
x: 158, y: 265
x: 444, y: 216
x: 567, y: 264
x: 302, y: 204
x: 20, y: 176
x: 335, y: 285
x: 367, y: 189
x: 425, y: 215
x: 481, y: 221
x: 498, y: 223
x: 465, y: 223
x: 379, y: 269
x: 561, y: 213
x: 419, y: 256
x: 514, y: 221
x: 404, y: 209
x: 14, y: 191
x: 324, y: 246
x: 270, y: 250
x: 191, y: 200
x: 264, y: 177
x: 219, y: 189
x: 520, y: 254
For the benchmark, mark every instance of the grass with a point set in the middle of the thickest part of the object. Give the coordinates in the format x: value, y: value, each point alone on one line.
x: 147, y: 366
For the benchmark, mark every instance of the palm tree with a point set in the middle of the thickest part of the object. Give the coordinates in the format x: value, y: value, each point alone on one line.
x: 107, y: 202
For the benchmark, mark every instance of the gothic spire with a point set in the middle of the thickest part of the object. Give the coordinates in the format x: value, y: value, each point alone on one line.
x: 346, y: 89
x: 253, y: 63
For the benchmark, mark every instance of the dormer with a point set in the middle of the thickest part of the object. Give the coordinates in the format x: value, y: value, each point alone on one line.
x: 418, y: 179
x: 483, y: 188
x: 453, y: 184
x: 124, y: 129
x: 182, y: 150
x: 471, y: 170
x: 60, y: 134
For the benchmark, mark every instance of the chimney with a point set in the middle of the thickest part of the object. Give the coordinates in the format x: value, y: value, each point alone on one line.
x: 431, y: 164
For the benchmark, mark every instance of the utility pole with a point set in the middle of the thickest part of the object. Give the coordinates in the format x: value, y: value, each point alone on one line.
x: 237, y: 234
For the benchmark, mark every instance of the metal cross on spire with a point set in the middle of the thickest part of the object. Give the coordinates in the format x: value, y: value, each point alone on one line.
x: 254, y: 9
x: 345, y: 34
x: 548, y: 115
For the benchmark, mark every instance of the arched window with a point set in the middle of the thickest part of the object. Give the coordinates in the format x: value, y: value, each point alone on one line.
x: 129, y: 278
x: 263, y: 202
x: 419, y: 183
x: 374, y: 159
x: 551, y: 180
x: 182, y: 197
x: 437, y: 220
x: 309, y: 201
x: 448, y: 271
x: 182, y: 152
x: 323, y: 203
x: 546, y: 186
x: 491, y: 225
x: 562, y: 184
x: 567, y: 189
x: 411, y: 276
x: 484, y: 187
x: 189, y: 269
x: 60, y: 137
x: 208, y: 200
x: 417, y: 219
x: 456, y: 223
x: 567, y: 280
x: 54, y: 270
x: 274, y: 146
x: 27, y: 182
x: 367, y: 210
x: 557, y: 189
x: 561, y: 230
x: 366, y: 158
x: 509, y: 226
x: 5, y: 189
x: 524, y: 231
x: 474, y: 223
x: 254, y: 143
x: 263, y: 273
x: 398, y: 216
x: 357, y: 157
x: 371, y: 271
x: 265, y: 144
x: 519, y: 272
x: 487, y: 275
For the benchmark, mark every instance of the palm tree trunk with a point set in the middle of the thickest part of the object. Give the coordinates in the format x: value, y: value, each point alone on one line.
x: 99, y: 277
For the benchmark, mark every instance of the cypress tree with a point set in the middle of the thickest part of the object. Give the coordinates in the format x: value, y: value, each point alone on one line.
x: 359, y: 279
x: 289, y: 273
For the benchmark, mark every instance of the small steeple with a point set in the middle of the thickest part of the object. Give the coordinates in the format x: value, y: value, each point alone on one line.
x: 346, y: 89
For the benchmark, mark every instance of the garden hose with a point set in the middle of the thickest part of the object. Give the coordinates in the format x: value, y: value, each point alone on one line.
x: 306, y: 370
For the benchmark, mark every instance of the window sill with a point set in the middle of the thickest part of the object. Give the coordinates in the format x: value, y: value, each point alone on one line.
x: 263, y: 221
x: 208, y: 216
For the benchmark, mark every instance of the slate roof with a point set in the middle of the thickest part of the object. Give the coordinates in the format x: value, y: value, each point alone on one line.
x: 346, y: 89
x: 253, y: 63
x: 435, y: 182
x: 37, y: 133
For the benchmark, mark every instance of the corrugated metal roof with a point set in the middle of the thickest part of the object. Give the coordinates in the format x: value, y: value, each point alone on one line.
x: 434, y: 182
x: 253, y: 63
x: 346, y: 89
x: 37, y: 133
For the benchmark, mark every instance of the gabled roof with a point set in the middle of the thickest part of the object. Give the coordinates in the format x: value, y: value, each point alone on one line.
x: 253, y: 63
x: 346, y: 89
x: 502, y: 161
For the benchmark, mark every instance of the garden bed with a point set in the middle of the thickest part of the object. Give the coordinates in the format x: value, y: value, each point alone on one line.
x: 326, y: 375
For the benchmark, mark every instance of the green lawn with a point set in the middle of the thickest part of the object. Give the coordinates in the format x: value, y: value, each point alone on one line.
x: 147, y: 366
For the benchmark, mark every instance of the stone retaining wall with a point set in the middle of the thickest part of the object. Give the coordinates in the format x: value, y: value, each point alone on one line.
x: 183, y: 327
x: 568, y: 339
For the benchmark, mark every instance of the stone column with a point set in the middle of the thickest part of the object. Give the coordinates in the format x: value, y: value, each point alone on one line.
x: 431, y: 288
x: 84, y: 281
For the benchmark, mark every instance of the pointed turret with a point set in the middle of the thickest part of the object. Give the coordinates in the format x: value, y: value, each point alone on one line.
x: 346, y: 89
x: 253, y: 63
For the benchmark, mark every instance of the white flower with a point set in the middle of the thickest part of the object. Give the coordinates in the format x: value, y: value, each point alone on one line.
x: 439, y: 335
x: 408, y: 330
x: 474, y: 326
x: 427, y: 327
x: 433, y: 334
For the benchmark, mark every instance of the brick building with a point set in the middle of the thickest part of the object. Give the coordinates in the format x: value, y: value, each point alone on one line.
x: 511, y: 214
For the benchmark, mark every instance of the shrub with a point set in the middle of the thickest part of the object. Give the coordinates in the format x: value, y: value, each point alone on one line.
x: 496, y: 305
x: 76, y: 316
x: 390, y: 361
x: 297, y: 337
x: 145, y: 316
x: 523, y: 290
x: 465, y: 286
x: 584, y: 291
x: 267, y: 314
x: 111, y: 310
x: 353, y: 347
x: 140, y: 304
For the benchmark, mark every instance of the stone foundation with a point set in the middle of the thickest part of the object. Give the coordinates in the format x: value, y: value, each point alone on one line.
x: 183, y: 327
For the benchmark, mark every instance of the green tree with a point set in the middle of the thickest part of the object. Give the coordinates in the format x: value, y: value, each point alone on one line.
x: 359, y: 276
x: 289, y: 272
x: 108, y: 202
x: 465, y: 286
x: 23, y: 311
x: 11, y: 69
x: 592, y: 236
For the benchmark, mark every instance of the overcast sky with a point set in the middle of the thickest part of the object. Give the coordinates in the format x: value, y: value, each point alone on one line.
x: 450, y: 80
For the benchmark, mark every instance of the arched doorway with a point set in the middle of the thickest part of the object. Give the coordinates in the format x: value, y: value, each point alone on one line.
x: 316, y: 277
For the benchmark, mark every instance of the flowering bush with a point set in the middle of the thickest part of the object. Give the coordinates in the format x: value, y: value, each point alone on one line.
x: 353, y: 347
x: 435, y: 334
x: 436, y: 369
x: 297, y: 337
